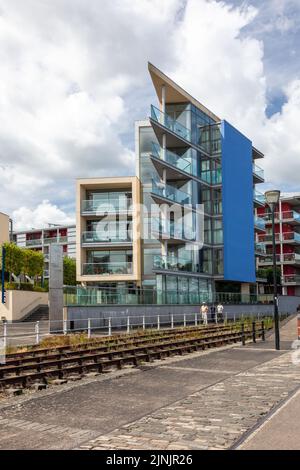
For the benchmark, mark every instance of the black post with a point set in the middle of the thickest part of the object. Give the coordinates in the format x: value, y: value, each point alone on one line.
x: 243, y: 334
x: 275, y: 293
x: 263, y: 331
x: 253, y: 332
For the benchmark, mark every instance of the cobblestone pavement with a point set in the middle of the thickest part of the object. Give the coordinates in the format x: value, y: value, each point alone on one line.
x: 213, y: 418
x: 206, y: 399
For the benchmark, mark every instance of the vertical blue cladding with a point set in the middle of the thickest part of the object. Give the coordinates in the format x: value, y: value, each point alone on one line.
x: 237, y: 200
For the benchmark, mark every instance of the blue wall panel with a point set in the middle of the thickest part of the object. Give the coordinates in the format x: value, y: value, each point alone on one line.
x: 237, y: 199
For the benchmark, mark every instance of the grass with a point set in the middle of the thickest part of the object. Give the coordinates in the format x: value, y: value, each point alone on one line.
x: 79, y: 339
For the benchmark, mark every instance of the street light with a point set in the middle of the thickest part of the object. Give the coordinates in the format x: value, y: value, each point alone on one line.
x: 272, y: 199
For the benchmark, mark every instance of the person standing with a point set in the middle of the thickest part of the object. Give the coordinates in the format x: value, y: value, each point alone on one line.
x: 220, y: 310
x: 204, y: 312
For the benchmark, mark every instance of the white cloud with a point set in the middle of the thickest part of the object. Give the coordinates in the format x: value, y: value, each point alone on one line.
x: 66, y: 68
x: 74, y: 78
x: 44, y: 214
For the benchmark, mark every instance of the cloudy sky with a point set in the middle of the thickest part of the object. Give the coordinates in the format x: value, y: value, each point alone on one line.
x: 73, y: 79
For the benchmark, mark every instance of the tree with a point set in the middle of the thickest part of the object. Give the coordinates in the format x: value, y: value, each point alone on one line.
x: 267, y: 273
x: 21, y: 260
x: 13, y: 259
x: 69, y: 271
x: 33, y: 263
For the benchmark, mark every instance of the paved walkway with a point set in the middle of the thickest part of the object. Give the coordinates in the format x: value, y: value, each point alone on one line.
x: 204, y: 400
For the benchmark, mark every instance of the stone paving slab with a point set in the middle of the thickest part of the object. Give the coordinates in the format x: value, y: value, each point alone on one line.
x: 213, y: 418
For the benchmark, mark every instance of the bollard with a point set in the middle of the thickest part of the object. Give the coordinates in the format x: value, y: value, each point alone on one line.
x: 263, y: 337
x: 158, y: 322
x: 172, y: 321
x: 4, y: 337
x: 254, y: 332
x: 196, y: 320
x: 89, y: 327
x: 37, y: 332
x: 225, y: 319
x: 109, y: 326
x: 128, y: 325
x: 65, y: 327
x: 184, y: 320
x: 144, y: 324
x: 216, y: 317
x: 234, y: 317
x: 243, y: 334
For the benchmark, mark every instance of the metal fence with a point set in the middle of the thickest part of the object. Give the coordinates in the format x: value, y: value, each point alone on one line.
x: 23, y: 334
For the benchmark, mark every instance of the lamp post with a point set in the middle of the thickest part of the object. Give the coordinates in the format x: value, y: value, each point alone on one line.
x: 272, y: 199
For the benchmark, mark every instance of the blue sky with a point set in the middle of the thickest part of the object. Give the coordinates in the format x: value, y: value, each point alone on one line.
x: 74, y: 79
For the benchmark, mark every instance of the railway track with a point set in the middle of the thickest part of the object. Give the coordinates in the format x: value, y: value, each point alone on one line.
x: 44, y: 365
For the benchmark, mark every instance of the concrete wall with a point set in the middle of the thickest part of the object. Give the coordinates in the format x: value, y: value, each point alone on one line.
x: 20, y: 303
x: 287, y: 304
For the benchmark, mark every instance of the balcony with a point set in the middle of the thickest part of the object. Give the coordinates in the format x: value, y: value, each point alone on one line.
x: 171, y: 124
x: 100, y: 206
x: 170, y: 192
x: 291, y: 217
x: 286, y: 258
x: 258, y: 173
x: 115, y: 236
x: 291, y: 279
x: 259, y: 223
x: 48, y: 241
x: 259, y: 198
x: 170, y: 263
x: 260, y: 248
x: 172, y: 230
x: 106, y: 269
x: 177, y: 161
x: 36, y: 242
x: 287, y: 237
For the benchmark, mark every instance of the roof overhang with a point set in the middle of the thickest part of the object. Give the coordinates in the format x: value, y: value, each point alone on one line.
x: 174, y: 93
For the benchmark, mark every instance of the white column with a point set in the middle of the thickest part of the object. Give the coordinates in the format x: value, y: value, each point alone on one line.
x: 164, y: 145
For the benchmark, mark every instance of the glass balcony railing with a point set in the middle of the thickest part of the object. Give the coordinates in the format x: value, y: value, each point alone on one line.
x: 259, y: 223
x: 170, y: 192
x: 258, y: 171
x: 109, y: 268
x: 172, y: 230
x: 36, y: 242
x: 260, y: 248
x: 172, y: 158
x: 259, y: 197
x: 169, y: 123
x: 109, y: 237
x: 174, y: 264
x: 104, y: 205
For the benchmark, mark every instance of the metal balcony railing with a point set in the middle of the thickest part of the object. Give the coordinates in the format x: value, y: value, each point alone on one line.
x: 102, y: 205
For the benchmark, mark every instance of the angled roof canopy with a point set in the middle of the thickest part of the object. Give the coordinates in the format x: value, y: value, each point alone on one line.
x: 174, y: 93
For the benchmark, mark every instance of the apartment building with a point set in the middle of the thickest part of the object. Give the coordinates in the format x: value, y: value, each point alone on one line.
x: 287, y: 235
x: 41, y: 239
x: 200, y: 174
